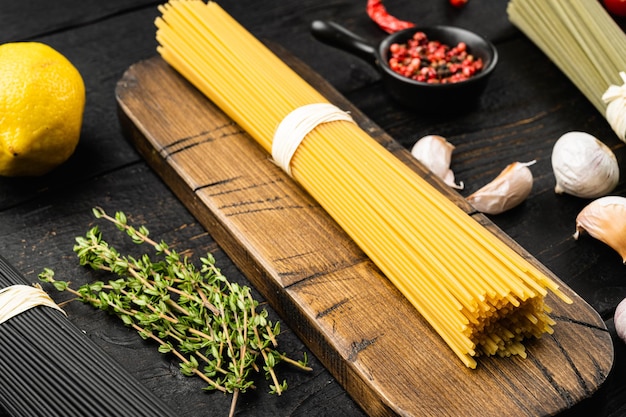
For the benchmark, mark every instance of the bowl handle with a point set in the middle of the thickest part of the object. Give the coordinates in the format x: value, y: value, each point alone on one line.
x: 339, y: 37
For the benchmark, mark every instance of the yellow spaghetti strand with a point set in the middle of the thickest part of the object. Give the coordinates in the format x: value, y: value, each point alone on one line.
x: 476, y: 292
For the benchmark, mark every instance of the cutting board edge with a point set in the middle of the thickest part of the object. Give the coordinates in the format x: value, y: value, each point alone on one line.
x: 344, y: 372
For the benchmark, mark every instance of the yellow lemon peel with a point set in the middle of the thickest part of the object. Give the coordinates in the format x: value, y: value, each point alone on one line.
x: 42, y: 101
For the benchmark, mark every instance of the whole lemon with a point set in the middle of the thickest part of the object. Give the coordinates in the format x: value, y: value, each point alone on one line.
x: 42, y: 100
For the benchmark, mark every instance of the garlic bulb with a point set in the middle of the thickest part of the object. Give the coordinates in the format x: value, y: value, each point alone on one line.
x: 506, y: 191
x: 435, y: 152
x: 619, y: 318
x: 583, y: 166
x: 605, y: 219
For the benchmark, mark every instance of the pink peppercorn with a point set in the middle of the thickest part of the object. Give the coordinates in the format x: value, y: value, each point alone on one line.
x: 430, y: 61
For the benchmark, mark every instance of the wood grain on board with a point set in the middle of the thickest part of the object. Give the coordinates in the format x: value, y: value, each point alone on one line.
x: 369, y: 337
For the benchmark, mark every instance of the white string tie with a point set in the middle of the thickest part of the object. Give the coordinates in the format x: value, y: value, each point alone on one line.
x: 16, y: 299
x: 615, y: 97
x: 297, y: 125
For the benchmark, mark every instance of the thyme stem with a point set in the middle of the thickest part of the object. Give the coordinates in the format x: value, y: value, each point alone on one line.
x: 209, y: 324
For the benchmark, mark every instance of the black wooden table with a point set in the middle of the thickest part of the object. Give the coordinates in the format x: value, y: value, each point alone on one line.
x: 528, y: 104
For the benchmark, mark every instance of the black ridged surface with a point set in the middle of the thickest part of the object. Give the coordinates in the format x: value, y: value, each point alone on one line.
x: 50, y: 368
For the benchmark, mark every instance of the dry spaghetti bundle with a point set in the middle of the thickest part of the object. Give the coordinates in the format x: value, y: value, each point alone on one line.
x: 51, y: 368
x: 582, y: 39
x: 477, y: 293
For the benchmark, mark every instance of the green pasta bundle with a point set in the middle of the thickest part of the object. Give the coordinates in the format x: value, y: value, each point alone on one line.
x: 584, y: 42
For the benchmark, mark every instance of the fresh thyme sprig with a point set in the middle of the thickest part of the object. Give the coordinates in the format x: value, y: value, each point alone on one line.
x: 212, y: 326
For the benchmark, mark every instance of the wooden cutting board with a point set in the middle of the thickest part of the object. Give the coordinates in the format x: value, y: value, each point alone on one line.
x: 322, y: 285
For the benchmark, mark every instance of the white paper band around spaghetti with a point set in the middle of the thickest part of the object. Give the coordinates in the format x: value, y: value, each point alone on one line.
x: 297, y: 125
x: 16, y: 299
x: 615, y: 97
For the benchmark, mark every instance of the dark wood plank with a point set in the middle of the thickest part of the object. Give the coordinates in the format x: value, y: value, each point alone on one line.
x: 527, y: 105
x: 323, y: 286
x: 101, y: 53
x: 37, y: 20
x: 140, y: 194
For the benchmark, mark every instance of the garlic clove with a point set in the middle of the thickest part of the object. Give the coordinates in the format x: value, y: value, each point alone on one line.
x: 605, y: 219
x: 584, y: 166
x: 435, y: 153
x: 506, y: 191
x: 619, y: 319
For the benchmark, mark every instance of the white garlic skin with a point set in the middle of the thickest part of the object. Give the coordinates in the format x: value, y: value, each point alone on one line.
x: 605, y: 219
x: 619, y: 319
x: 584, y: 166
x: 435, y: 153
x: 509, y: 189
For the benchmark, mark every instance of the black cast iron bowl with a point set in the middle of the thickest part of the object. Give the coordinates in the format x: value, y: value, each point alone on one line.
x: 458, y: 96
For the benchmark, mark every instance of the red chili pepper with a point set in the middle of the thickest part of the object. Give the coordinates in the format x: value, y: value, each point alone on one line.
x: 616, y: 7
x: 390, y: 24
x: 458, y: 3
